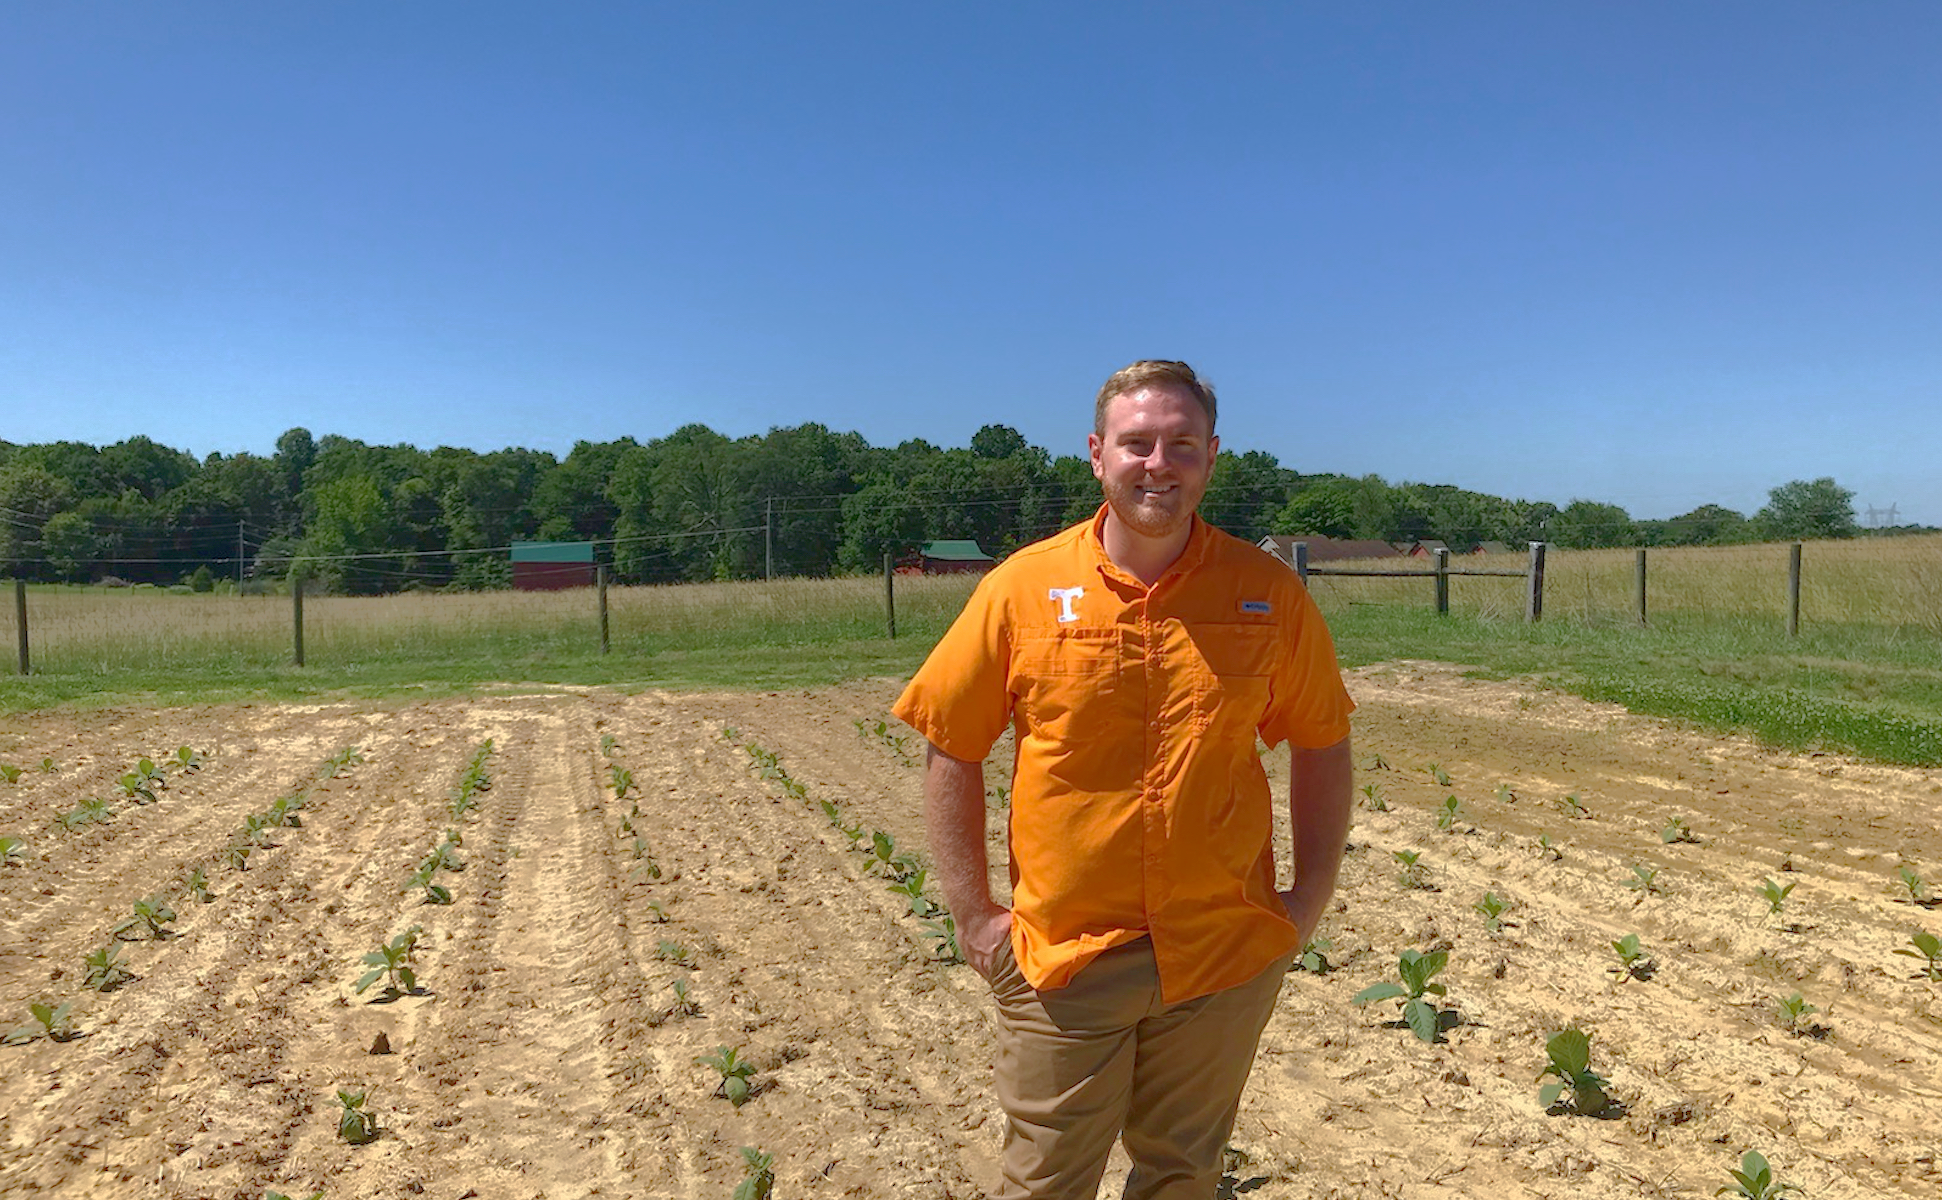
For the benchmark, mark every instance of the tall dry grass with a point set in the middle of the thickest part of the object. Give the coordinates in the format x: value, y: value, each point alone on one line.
x: 1893, y: 582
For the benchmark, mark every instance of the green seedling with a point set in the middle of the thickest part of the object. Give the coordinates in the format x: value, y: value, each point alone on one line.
x: 1451, y: 810
x: 685, y: 1004
x: 735, y: 1072
x: 648, y: 868
x: 454, y: 838
x: 607, y: 744
x: 758, y: 1178
x: 1928, y: 947
x: 1492, y: 907
x: 435, y: 893
x: 48, y: 767
x: 340, y: 763
x: 9, y: 772
x: 621, y: 779
x: 13, y: 852
x: 1916, y: 887
x: 1546, y: 848
x: 391, y: 963
x: 884, y: 857
x: 1373, y: 799
x: 1001, y: 793
x: 92, y: 811
x: 831, y: 813
x: 1413, y: 875
x: 1775, y: 895
x: 1792, y: 1011
x: 316, y: 1195
x: 1676, y: 830
x: 1376, y: 763
x: 1437, y: 773
x: 197, y: 884
x: 355, y: 1125
x: 1505, y: 794
x: 256, y: 829
x: 186, y: 761
x: 627, y: 825
x: 1633, y: 962
x: 283, y: 810
x: 675, y: 953
x: 656, y: 913
x: 1642, y: 880
x: 104, y: 972
x: 1570, y: 1055
x: 462, y: 802
x: 1314, y: 957
x: 729, y: 734
x: 942, y: 933
x: 912, y: 890
x: 853, y: 832
x: 51, y: 1022
x: 236, y: 854
x: 134, y: 787
x: 1571, y: 806
x: 1755, y: 1180
x: 150, y: 915
x: 1417, y: 971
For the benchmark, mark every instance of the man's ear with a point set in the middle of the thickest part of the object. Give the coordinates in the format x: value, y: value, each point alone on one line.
x: 1094, y: 448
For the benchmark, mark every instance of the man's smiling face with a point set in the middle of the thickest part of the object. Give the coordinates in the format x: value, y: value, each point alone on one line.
x: 1154, y: 458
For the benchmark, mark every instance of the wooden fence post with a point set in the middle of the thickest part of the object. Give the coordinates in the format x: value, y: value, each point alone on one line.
x: 1301, y: 562
x: 600, y: 586
x: 1793, y: 590
x: 1638, y: 584
x: 889, y: 596
x: 1534, y: 595
x: 296, y: 615
x: 1443, y: 582
x: 20, y: 623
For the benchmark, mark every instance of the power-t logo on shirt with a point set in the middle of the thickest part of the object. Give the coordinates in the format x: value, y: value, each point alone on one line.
x: 1065, y: 597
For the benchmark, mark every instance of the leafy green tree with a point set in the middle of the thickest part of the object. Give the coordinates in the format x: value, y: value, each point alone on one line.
x: 69, y: 544
x: 1588, y: 524
x: 29, y: 496
x: 1247, y: 492
x: 1805, y: 509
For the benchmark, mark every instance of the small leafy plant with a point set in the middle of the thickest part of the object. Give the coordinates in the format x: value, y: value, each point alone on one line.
x: 735, y: 1072
x: 1633, y: 962
x: 1644, y: 880
x: 1492, y: 907
x: 9, y: 772
x: 685, y: 1004
x: 197, y: 884
x: 1505, y: 794
x: 1451, y: 810
x: 1570, y: 1055
x: 282, y: 812
x: 622, y: 780
x: 675, y: 953
x: 150, y: 914
x: 47, y: 766
x: 1676, y: 830
x: 51, y: 1023
x: 1373, y: 799
x: 759, y: 1176
x: 911, y: 889
x: 1571, y: 806
x: 104, y: 972
x: 1928, y: 947
x: 1546, y: 848
x: 1775, y: 895
x: 1437, y: 773
x: 13, y: 852
x: 942, y: 933
x: 607, y: 744
x: 1793, y: 1011
x: 391, y: 962
x: 1417, y: 972
x: 355, y: 1125
x: 1755, y: 1180
x: 1916, y: 887
x: 186, y: 761
x: 1314, y: 957
x: 1413, y: 875
x: 340, y: 763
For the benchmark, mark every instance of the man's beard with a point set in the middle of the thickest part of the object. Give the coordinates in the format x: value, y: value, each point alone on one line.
x: 1154, y: 518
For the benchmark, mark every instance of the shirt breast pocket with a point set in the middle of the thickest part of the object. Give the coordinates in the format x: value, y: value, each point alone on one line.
x: 1066, y: 682
x: 1236, y: 677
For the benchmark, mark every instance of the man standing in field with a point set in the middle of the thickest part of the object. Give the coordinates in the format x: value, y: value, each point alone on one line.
x: 1137, y: 656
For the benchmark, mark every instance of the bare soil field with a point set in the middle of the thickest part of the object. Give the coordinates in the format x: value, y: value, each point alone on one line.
x: 545, y: 1052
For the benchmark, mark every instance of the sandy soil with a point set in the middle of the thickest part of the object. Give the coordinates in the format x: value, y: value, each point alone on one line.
x: 545, y: 1055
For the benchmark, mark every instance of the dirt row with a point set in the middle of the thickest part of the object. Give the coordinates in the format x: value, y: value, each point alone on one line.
x: 547, y: 1052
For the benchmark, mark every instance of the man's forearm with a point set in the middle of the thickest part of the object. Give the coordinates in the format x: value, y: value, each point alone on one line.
x: 1320, y: 791
x: 954, y: 820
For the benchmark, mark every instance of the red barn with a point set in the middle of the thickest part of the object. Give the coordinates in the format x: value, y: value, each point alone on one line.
x: 551, y: 566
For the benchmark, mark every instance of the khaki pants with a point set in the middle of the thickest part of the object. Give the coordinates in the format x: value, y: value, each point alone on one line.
x: 1102, y: 1058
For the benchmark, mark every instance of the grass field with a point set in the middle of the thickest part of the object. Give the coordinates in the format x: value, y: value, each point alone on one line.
x: 1865, y: 676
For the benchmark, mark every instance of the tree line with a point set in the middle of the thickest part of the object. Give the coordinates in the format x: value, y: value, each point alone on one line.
x: 698, y: 505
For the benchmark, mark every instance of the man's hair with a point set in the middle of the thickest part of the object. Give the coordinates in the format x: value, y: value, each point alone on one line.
x: 1151, y: 371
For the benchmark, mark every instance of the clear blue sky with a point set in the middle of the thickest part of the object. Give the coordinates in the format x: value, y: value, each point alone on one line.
x: 1654, y: 254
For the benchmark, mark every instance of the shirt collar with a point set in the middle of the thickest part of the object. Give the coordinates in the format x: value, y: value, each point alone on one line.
x: 1198, y: 539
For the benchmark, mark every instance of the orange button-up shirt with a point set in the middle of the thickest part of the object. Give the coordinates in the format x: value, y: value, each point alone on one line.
x: 1139, y: 807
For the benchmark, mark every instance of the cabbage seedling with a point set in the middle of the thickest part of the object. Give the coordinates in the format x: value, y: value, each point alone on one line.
x: 674, y: 952
x: 355, y: 1125
x: 1451, y: 810
x: 1546, y: 848
x: 1570, y: 1055
x: 236, y: 854
x: 283, y: 812
x: 198, y: 885
x: 1792, y: 1010
x: 390, y: 962
x: 435, y: 893
x: 1492, y: 907
x: 316, y: 1195
x: 151, y: 913
x: 1676, y: 830
x: 1918, y: 891
x: 1755, y: 1180
x: 13, y: 851
x: 942, y: 933
x: 1377, y: 763
x: 1413, y: 874
x: 1505, y: 794
x: 1571, y: 806
x: 1416, y: 970
x: 1372, y: 798
x: 1642, y: 880
x: 92, y: 811
x: 186, y: 761
x: 1314, y: 957
x: 912, y: 890
x: 607, y: 744
x: 1930, y: 948
x: 9, y: 772
x: 735, y: 1072
x: 104, y: 970
x: 53, y: 1022
x: 1633, y: 963
x: 760, y: 1176
x: 685, y: 1004
x: 1437, y: 773
x: 622, y: 780
x: 656, y: 913
x: 1775, y: 895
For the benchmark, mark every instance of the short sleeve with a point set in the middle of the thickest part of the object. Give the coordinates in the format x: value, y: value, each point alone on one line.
x: 1308, y: 705
x: 960, y: 698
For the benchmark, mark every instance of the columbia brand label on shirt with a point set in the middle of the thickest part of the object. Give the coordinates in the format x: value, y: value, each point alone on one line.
x: 1065, y: 597
x: 1257, y: 606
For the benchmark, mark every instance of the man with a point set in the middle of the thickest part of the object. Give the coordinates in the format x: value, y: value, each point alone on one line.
x: 1137, y: 656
